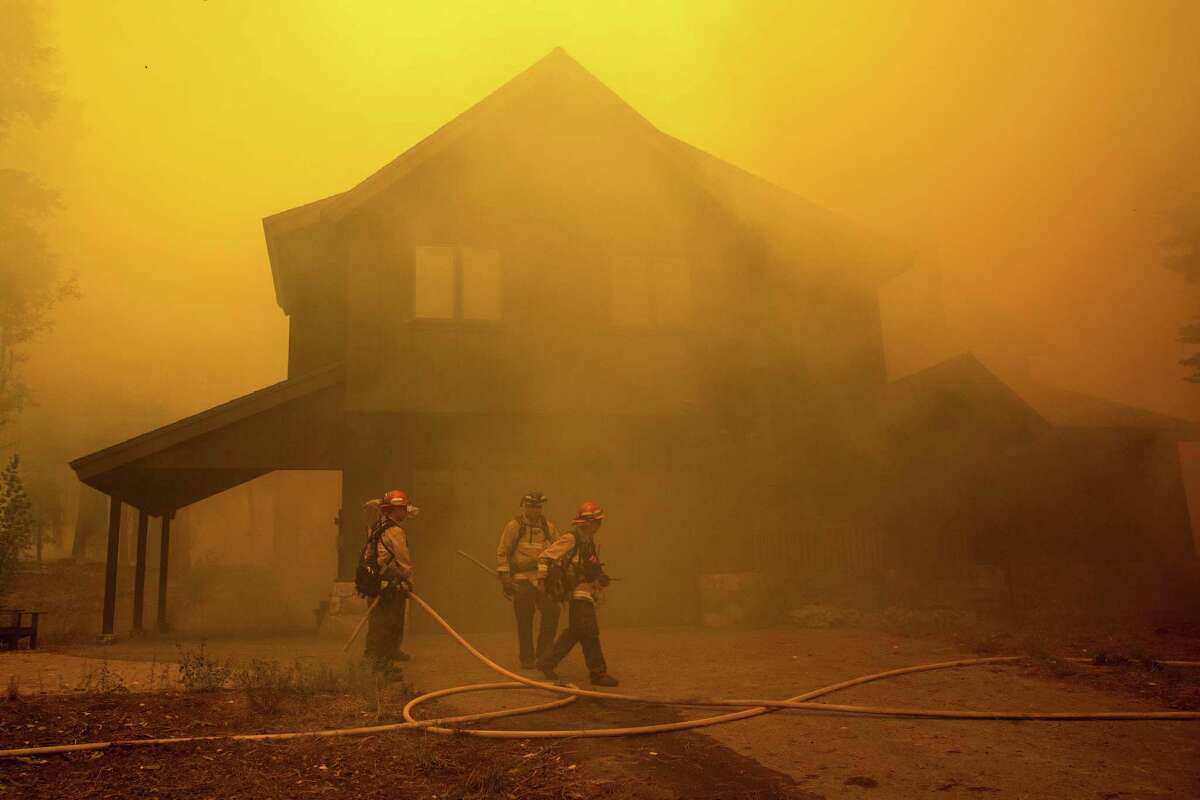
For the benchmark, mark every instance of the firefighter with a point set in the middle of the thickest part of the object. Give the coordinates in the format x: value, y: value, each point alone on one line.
x: 522, y: 541
x: 385, y: 628
x: 575, y: 552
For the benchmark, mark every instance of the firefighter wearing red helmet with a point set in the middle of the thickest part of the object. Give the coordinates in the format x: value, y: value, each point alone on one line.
x: 576, y: 552
x: 522, y: 541
x: 385, y: 628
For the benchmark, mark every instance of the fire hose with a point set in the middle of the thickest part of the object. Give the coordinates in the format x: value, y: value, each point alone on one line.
x: 568, y: 694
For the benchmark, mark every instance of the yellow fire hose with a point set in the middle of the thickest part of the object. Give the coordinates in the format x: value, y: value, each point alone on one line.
x: 748, y: 708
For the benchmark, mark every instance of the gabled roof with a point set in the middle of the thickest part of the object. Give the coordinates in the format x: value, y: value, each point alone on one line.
x: 1066, y: 408
x: 1060, y: 408
x: 787, y: 218
x: 955, y: 390
x: 745, y: 196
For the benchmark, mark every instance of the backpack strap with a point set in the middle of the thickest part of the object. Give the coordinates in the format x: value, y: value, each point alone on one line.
x: 523, y: 526
x: 370, y: 551
x: 512, y: 548
x: 386, y: 546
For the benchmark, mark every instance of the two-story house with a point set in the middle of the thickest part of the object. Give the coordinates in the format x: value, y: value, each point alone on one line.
x: 549, y: 291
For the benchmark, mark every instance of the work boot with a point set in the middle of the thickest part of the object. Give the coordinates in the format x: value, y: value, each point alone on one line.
x: 528, y: 663
x: 548, y: 671
x: 604, y: 679
x: 403, y: 656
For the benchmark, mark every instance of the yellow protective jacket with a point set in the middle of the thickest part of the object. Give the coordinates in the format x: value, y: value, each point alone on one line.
x: 525, y: 541
x: 584, y: 590
x: 395, y: 561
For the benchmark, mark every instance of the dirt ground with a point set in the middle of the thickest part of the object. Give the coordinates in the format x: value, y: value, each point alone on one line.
x: 783, y: 754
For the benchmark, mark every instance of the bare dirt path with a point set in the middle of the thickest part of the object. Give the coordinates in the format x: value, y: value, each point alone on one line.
x: 792, y: 755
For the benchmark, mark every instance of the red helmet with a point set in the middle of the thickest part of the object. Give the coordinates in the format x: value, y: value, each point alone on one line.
x: 396, y: 498
x: 589, y: 511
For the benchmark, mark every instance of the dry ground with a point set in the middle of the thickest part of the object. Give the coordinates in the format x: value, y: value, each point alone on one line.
x: 778, y: 755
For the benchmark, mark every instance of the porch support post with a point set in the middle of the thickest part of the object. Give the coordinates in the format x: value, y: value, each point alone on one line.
x: 110, y: 564
x: 163, y: 558
x: 139, y: 571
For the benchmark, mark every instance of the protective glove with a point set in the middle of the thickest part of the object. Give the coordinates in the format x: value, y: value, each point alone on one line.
x: 603, y: 580
x: 507, y: 586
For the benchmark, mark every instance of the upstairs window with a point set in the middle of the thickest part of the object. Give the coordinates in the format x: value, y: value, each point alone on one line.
x: 480, y: 283
x: 651, y: 291
x: 457, y: 283
x: 434, y: 283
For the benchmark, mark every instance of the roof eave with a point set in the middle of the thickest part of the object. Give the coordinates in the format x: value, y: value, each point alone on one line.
x: 146, y: 444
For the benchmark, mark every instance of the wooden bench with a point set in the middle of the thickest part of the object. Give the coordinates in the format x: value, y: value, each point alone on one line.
x: 12, y: 632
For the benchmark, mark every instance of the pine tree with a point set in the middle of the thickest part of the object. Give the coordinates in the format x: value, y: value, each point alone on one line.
x: 16, y: 519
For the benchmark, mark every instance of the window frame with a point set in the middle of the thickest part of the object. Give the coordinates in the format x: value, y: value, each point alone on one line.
x: 458, y: 286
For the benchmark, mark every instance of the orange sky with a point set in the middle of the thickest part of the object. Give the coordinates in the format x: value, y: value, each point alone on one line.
x: 1027, y: 146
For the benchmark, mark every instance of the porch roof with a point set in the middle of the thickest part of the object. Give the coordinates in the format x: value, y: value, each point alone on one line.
x: 294, y: 424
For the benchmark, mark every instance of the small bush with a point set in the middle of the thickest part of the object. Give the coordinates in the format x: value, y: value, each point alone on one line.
x: 319, y: 679
x: 103, y: 680
x: 269, y: 684
x: 266, y: 684
x: 198, y: 672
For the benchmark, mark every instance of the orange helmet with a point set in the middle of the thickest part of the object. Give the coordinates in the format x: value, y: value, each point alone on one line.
x: 396, y: 498
x: 589, y: 511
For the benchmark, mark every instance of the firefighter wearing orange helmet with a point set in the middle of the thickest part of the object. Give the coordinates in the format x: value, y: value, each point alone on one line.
x: 574, y: 557
x: 389, y: 542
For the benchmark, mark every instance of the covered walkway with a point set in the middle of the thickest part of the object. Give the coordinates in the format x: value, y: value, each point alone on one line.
x: 292, y: 425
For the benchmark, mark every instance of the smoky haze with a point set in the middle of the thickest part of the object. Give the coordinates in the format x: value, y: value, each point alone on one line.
x: 1023, y: 153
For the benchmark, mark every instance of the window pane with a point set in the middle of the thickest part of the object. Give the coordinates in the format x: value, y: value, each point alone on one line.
x: 481, y: 283
x: 672, y: 291
x: 631, y: 291
x: 434, y: 283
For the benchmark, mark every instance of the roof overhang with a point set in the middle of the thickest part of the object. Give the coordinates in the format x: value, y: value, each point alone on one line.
x: 295, y: 424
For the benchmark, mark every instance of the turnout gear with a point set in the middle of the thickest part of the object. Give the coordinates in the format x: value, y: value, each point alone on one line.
x: 395, y: 560
x: 367, y: 581
x: 385, y: 567
x: 571, y: 569
x: 574, y: 561
x: 527, y: 601
x: 582, y: 629
x: 385, y: 631
x: 522, y: 541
